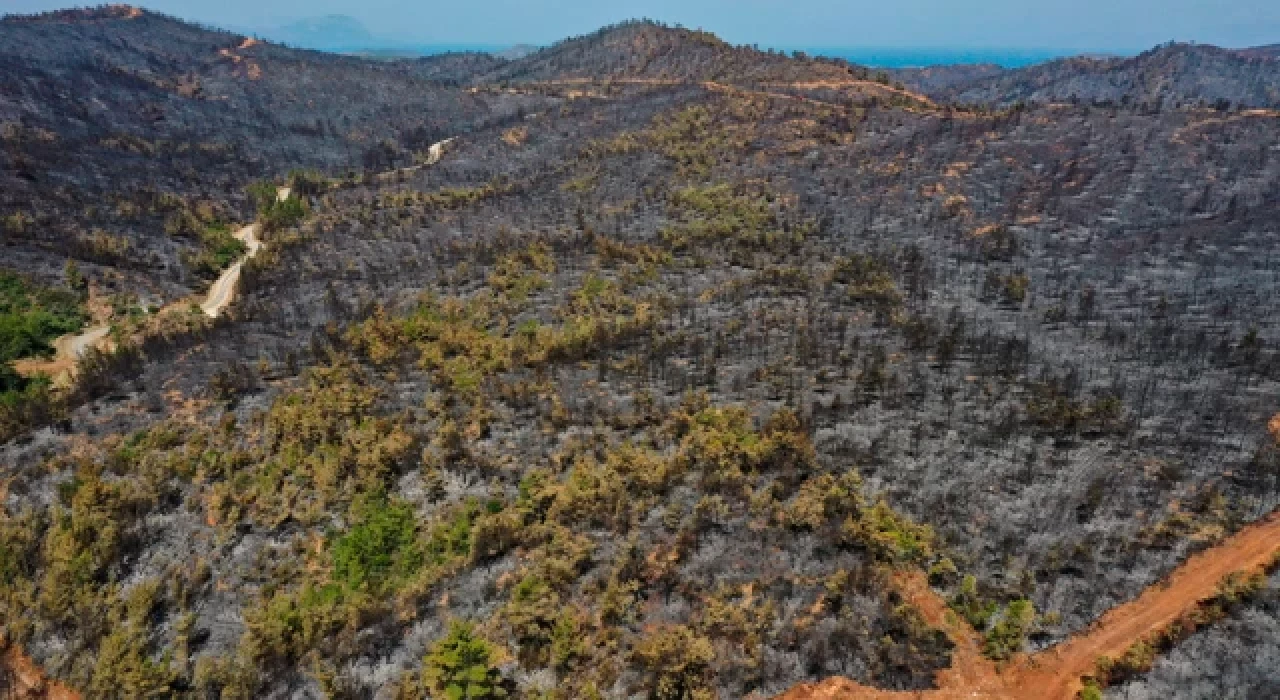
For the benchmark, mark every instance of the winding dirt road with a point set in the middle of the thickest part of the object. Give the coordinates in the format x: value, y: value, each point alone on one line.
x: 223, y: 290
x: 1055, y: 673
x: 69, y: 348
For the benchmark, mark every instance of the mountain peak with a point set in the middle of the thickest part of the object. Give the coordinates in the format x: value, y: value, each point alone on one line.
x: 649, y: 50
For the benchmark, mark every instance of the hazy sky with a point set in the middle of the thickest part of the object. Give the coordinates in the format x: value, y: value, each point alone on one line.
x: 1060, y: 24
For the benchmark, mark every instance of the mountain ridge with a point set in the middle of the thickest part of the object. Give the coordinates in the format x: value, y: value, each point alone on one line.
x: 1170, y: 75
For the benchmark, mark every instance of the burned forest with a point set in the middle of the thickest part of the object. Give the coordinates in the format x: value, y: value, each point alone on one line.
x: 644, y: 366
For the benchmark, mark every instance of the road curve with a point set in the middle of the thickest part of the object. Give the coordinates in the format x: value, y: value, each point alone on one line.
x: 69, y: 348
x: 223, y: 290
x: 1055, y: 673
x: 73, y: 346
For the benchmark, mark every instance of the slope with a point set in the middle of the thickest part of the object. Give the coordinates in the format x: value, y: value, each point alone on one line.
x: 651, y: 390
x: 127, y: 139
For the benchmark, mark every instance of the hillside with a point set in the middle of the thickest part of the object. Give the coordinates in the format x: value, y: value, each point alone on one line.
x: 1172, y: 75
x: 458, y: 68
x: 658, y: 380
x: 941, y: 80
x: 129, y: 138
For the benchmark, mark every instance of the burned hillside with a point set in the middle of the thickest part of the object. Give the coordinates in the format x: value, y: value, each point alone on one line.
x: 655, y: 388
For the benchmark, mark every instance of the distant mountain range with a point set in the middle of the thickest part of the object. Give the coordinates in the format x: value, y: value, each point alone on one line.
x: 1170, y: 74
x: 328, y: 33
x: 346, y: 34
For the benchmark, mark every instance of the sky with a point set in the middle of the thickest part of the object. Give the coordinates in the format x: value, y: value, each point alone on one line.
x: 1086, y: 25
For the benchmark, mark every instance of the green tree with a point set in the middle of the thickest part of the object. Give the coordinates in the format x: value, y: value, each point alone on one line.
x: 1006, y: 637
x: 379, y: 546
x: 461, y: 666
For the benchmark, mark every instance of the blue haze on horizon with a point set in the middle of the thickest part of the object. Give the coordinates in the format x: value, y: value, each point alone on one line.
x: 901, y: 33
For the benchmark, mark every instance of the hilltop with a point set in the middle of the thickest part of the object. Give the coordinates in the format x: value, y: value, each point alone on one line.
x: 649, y: 50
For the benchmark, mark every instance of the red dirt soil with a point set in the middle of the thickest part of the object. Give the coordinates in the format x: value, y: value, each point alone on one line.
x: 1056, y: 673
x: 22, y: 679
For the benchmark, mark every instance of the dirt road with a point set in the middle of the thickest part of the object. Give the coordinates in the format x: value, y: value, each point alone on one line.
x: 863, y: 86
x: 1055, y: 673
x: 223, y: 290
x: 1058, y: 670
x: 434, y: 154
x: 67, y: 350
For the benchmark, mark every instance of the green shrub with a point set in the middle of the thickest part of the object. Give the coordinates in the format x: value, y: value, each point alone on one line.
x: 1006, y: 637
x: 31, y: 316
x: 218, y: 249
x: 461, y: 666
x: 971, y: 606
x: 275, y: 213
x: 379, y: 549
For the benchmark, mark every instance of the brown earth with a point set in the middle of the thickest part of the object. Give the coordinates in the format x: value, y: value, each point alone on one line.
x: 21, y: 679
x: 862, y: 87
x: 1056, y: 673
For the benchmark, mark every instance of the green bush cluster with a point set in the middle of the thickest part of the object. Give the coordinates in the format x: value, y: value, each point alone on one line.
x: 466, y: 341
x: 868, y: 280
x: 1009, y: 633
x: 274, y: 213
x: 378, y: 548
x: 31, y: 316
x: 460, y: 666
x: 218, y: 249
x: 447, y: 199
x: 727, y: 215
x: 701, y: 137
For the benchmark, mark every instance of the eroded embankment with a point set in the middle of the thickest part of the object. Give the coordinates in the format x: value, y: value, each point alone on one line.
x: 1056, y: 672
